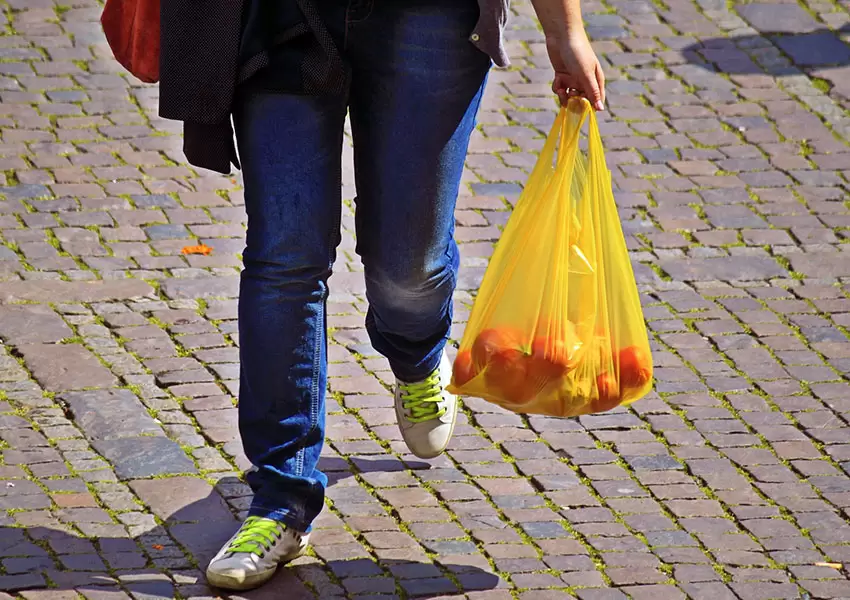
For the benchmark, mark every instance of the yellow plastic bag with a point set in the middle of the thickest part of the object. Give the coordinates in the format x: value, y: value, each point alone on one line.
x: 557, y: 327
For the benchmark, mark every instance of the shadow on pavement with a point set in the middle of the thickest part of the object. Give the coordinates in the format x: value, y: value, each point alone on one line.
x: 779, y: 49
x: 103, y: 568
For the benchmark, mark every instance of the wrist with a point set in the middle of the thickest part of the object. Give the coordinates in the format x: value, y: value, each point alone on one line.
x: 565, y: 34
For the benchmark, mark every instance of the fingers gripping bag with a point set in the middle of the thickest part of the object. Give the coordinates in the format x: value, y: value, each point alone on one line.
x: 557, y: 327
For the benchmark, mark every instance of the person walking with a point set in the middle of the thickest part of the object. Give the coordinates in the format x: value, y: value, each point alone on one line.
x: 283, y: 74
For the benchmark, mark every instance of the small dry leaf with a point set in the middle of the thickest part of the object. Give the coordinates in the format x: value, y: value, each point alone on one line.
x: 199, y: 249
x: 157, y: 546
x: 836, y: 566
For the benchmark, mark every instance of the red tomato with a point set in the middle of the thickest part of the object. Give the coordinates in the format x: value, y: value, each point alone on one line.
x: 608, y: 394
x: 491, y: 341
x: 550, y: 359
x: 463, y: 371
x: 635, y: 367
x: 507, y: 375
x: 554, y: 355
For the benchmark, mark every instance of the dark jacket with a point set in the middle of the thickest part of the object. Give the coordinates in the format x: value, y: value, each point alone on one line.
x: 200, y: 66
x: 199, y: 63
x: 200, y: 69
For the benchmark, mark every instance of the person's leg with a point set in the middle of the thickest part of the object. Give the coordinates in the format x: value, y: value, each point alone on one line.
x: 417, y: 85
x: 290, y: 149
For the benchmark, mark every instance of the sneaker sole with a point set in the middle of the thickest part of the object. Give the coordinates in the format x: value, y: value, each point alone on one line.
x: 227, y: 582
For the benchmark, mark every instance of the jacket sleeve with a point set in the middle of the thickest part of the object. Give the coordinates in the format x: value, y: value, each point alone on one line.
x: 210, y: 146
x: 199, y: 62
x: 199, y: 59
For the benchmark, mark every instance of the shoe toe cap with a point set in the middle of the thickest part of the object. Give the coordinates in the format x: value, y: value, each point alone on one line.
x: 429, y: 440
x: 232, y: 569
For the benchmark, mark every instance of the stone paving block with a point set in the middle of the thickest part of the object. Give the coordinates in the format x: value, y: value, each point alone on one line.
x: 821, y: 265
x: 13, y: 583
x: 65, y: 367
x: 49, y: 595
x: 815, y: 49
x: 110, y: 414
x: 136, y: 457
x: 220, y: 287
x: 95, y: 291
x: 182, y: 499
x: 32, y: 325
x: 726, y: 269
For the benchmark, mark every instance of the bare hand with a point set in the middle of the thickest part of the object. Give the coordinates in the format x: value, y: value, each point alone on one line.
x: 577, y: 70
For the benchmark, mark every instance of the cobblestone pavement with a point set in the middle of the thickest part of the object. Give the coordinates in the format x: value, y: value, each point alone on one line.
x: 120, y: 460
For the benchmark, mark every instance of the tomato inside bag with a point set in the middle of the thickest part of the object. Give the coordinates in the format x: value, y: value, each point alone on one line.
x: 557, y: 327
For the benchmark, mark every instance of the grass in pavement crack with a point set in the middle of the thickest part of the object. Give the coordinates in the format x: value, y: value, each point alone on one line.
x: 764, y: 443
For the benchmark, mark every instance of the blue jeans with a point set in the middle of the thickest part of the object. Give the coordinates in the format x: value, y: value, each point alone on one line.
x: 416, y: 86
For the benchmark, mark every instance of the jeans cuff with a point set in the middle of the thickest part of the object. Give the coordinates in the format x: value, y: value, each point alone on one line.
x: 421, y: 373
x: 286, y: 516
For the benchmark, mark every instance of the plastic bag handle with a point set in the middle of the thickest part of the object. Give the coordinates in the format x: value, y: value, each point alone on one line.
x: 559, y: 137
x: 595, y: 152
x: 551, y: 144
x: 569, y: 145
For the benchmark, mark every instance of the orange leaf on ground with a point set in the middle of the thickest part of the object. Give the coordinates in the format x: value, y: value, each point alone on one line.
x: 199, y: 249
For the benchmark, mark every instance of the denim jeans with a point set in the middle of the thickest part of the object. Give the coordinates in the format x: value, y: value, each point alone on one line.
x: 416, y: 85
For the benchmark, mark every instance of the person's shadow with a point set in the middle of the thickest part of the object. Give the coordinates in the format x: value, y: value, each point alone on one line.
x: 193, y: 520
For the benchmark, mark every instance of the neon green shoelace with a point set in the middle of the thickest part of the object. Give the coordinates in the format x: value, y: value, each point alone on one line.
x: 257, y: 535
x: 422, y: 399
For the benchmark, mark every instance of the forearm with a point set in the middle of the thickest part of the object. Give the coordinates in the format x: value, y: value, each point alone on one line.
x: 560, y: 18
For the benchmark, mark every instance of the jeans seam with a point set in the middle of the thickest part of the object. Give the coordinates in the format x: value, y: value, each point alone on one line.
x: 314, y: 388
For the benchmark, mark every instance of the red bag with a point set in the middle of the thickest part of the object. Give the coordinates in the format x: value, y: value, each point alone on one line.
x: 132, y: 30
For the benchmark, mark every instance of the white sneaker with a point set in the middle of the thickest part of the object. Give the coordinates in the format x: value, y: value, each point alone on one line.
x: 426, y: 412
x: 252, y: 555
